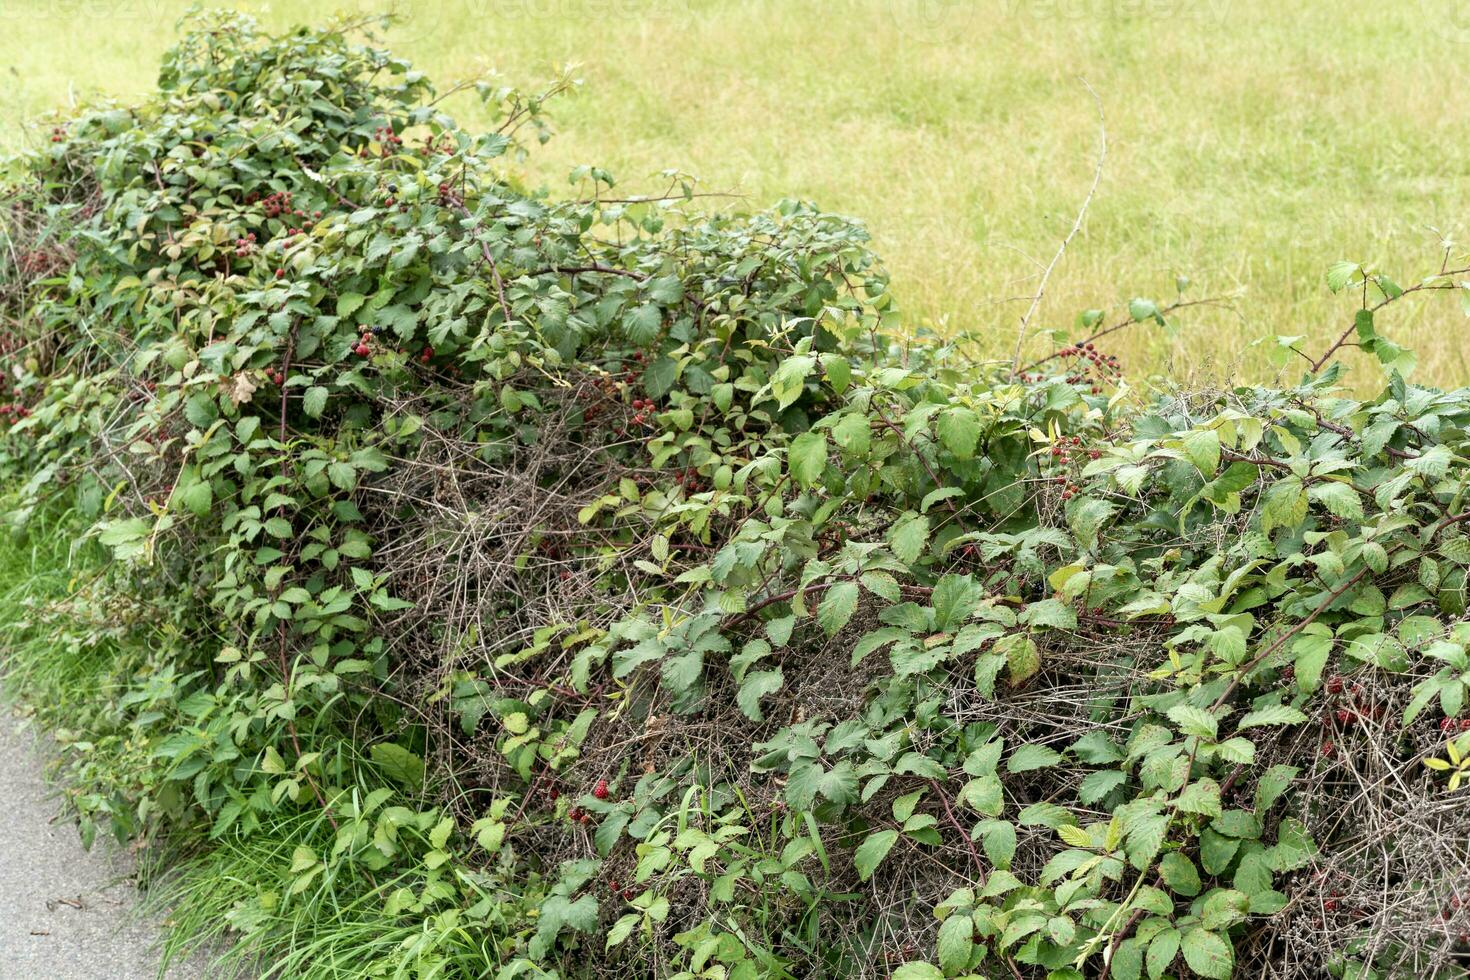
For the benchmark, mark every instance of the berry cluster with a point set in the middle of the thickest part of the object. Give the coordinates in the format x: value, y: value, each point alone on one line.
x: 1062, y: 453
x: 447, y: 197
x: 437, y: 144
x: 274, y: 205
x: 1359, y: 705
x: 386, y: 136
x: 642, y: 408
x: 14, y: 409
x: 1105, y: 366
x: 1448, y: 913
x: 244, y: 246
x: 58, y: 134
x: 688, y: 478
x: 277, y: 376
x: 308, y: 221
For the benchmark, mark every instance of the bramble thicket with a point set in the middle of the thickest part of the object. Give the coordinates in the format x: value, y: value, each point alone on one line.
x: 452, y: 578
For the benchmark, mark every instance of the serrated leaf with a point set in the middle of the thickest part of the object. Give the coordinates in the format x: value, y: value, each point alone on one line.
x: 955, y: 943
x: 1340, y: 273
x: 908, y: 537
x: 1074, y: 836
x: 871, y: 852
x: 1276, y: 714
x: 398, y: 764
x: 757, y: 684
x: 959, y: 431
x: 808, y: 458
x: 1032, y: 756
x: 1203, y: 449
x: 837, y: 606
x: 1179, y: 873
x: 1098, y: 784
x: 1194, y: 721
x: 1340, y: 499
x: 1208, y: 954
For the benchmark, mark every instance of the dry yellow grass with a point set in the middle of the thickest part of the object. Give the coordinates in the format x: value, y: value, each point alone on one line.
x: 1252, y: 143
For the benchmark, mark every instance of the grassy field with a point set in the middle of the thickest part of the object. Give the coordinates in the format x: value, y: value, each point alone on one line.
x: 1250, y: 143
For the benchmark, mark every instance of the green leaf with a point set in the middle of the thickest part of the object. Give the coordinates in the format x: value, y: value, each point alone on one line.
x: 1051, y: 613
x: 1224, y: 908
x: 1127, y: 961
x: 757, y: 685
x: 1022, y: 657
x: 959, y: 431
x: 1272, y: 784
x: 1283, y: 505
x: 837, y: 606
x: 641, y: 324
x: 986, y: 794
x: 955, y: 943
x: 1144, y: 309
x: 1340, y: 273
x: 1161, y: 952
x: 871, y: 852
x: 1203, y: 449
x: 314, y: 402
x: 1098, y: 784
x: 908, y: 537
x: 954, y: 598
x: 1340, y: 499
x: 666, y: 290
x: 1180, y: 875
x: 808, y: 458
x: 1276, y: 714
x: 1208, y: 954
x: 398, y: 764
x: 998, y: 837
x: 918, y: 971
x: 838, y: 370
x: 349, y: 303
x: 1032, y: 756
x: 197, y: 497
x: 622, y: 929
x: 789, y: 381
x: 1311, y: 651
x: 1201, y: 796
x: 1194, y: 721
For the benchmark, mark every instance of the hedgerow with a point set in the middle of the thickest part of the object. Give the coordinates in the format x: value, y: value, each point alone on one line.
x: 482, y: 581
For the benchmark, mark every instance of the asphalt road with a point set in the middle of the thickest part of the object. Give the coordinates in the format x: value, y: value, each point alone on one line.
x: 65, y: 913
